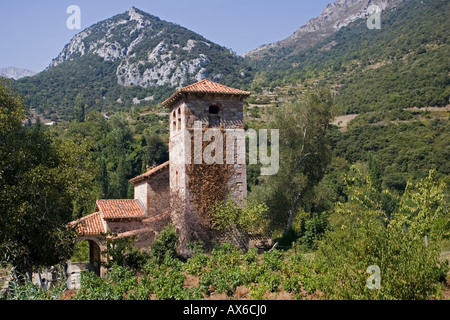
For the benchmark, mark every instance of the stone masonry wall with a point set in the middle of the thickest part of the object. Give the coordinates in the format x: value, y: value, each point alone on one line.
x: 184, y: 115
x: 158, y: 193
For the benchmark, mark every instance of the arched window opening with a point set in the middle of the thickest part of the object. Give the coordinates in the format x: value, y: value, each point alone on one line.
x: 214, y: 118
x: 213, y: 110
x: 179, y: 119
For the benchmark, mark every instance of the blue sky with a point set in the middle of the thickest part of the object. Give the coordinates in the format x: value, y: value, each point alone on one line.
x: 32, y: 33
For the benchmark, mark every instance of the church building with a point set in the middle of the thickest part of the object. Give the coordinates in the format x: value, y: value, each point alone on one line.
x: 169, y: 193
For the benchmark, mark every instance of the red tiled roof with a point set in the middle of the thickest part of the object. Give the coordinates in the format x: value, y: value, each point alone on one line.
x: 207, y: 86
x: 120, y: 209
x: 157, y: 217
x: 150, y: 225
x: 204, y: 86
x: 134, y: 232
x: 91, y: 225
x: 150, y: 172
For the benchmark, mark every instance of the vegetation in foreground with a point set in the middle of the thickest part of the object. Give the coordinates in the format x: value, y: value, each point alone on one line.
x: 402, y: 236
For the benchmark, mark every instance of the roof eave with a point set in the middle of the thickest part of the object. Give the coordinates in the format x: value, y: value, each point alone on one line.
x: 179, y: 95
x: 146, y: 176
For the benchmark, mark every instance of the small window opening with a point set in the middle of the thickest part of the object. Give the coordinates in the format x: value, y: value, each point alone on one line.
x: 214, y: 118
x: 213, y: 110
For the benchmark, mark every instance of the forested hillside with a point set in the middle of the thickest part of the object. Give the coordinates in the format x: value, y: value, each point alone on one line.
x: 380, y: 78
x: 404, y: 64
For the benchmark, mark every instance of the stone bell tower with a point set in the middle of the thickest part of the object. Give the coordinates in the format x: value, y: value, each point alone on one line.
x: 206, y: 125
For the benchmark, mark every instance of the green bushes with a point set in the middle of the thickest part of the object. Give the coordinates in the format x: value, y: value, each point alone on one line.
x: 165, y: 245
x: 118, y: 284
x: 409, y: 270
x: 404, y: 243
x: 314, y: 229
x: 21, y: 288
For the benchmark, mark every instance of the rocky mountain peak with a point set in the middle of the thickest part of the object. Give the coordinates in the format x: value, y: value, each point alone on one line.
x: 131, y: 58
x: 136, y: 15
x: 15, y: 73
x: 148, y: 52
x: 335, y: 16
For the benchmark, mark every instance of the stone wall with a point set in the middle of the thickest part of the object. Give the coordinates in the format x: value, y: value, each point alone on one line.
x: 231, y: 124
x: 158, y: 193
x: 154, y: 192
x: 184, y: 117
x: 141, y: 190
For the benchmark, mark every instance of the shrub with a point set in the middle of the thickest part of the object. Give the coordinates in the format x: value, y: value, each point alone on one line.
x: 292, y: 284
x: 273, y: 260
x: 119, y: 283
x: 21, y: 288
x: 404, y: 245
x: 196, y: 264
x: 271, y: 280
x: 225, y: 255
x: 314, y: 230
x: 169, y: 286
x: 258, y: 291
x: 285, y: 242
x: 221, y: 280
x: 251, y: 256
x: 136, y: 259
x: 409, y: 270
x: 165, y: 244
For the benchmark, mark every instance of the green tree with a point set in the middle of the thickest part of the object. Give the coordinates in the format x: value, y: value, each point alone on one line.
x: 104, y: 181
x: 118, y: 187
x: 40, y: 180
x: 239, y: 221
x: 304, y: 155
x: 79, y: 108
x: 165, y: 245
x: 365, y: 235
x: 155, y: 151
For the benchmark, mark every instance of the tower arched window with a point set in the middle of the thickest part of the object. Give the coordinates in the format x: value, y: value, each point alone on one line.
x: 214, y: 117
x: 174, y: 121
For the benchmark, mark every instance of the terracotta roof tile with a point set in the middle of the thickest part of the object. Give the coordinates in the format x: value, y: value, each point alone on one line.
x: 207, y: 86
x: 204, y: 86
x: 157, y: 217
x: 135, y: 232
x: 121, y: 209
x: 91, y: 225
x: 150, y: 173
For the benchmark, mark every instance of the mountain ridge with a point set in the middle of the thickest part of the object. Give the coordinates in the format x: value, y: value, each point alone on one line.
x: 127, y: 59
x: 16, y: 73
x: 336, y: 15
x: 125, y: 49
x: 405, y: 64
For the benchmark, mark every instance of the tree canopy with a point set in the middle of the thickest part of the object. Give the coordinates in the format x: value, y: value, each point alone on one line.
x: 41, y: 181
